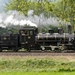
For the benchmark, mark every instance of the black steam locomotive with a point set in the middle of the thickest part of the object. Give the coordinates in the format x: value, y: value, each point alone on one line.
x: 30, y: 39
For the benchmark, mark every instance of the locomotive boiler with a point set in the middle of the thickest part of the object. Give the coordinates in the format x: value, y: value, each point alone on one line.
x: 53, y: 41
x: 56, y: 41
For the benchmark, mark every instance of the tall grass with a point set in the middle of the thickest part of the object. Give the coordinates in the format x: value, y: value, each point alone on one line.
x: 36, y: 65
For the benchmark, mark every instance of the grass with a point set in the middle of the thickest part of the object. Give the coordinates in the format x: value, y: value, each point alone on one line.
x: 36, y: 64
x: 37, y: 73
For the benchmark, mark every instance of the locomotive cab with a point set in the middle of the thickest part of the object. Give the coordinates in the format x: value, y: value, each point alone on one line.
x: 27, y: 36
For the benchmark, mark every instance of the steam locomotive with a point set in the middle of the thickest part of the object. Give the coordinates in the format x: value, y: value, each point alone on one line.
x: 29, y: 39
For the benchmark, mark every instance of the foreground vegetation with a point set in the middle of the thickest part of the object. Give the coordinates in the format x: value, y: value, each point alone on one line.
x: 34, y: 64
x: 37, y: 73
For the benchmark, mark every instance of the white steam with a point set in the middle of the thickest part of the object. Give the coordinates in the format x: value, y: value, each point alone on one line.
x: 13, y: 18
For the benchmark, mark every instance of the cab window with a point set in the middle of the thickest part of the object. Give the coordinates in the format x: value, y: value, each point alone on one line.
x: 31, y: 32
x: 22, y: 32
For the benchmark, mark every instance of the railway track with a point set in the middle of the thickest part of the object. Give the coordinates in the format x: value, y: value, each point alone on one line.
x: 35, y: 54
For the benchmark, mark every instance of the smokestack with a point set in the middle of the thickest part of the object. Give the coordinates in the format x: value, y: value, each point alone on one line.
x: 60, y: 30
x: 69, y: 29
x: 51, y: 31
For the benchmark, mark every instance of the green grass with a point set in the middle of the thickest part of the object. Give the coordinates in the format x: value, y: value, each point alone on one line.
x: 37, y: 73
x: 38, y: 64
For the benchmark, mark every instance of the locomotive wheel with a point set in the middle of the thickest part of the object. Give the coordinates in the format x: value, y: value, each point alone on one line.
x: 15, y: 49
x: 0, y: 50
x: 43, y: 48
x: 28, y: 50
x: 64, y: 51
x: 57, y: 50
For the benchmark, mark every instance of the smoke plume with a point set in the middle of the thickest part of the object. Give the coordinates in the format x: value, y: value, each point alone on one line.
x: 14, y: 18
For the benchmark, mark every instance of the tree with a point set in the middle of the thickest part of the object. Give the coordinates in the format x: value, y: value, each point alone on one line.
x: 40, y: 6
x: 65, y: 10
x: 19, y: 5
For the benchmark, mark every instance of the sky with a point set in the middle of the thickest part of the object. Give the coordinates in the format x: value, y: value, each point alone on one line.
x: 2, y: 2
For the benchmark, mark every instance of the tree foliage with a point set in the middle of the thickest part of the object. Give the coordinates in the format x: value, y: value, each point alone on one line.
x: 24, y: 6
x: 65, y: 10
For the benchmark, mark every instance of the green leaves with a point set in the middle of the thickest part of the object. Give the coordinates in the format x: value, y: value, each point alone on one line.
x: 24, y: 5
x: 65, y: 10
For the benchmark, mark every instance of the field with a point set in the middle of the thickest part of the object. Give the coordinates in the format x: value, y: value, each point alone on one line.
x: 37, y: 73
x: 37, y: 65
